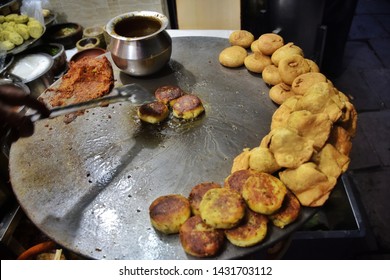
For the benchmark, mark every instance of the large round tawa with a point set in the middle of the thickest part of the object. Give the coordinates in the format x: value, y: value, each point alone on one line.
x: 88, y: 184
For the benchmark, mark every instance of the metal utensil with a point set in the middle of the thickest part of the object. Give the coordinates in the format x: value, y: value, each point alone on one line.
x: 132, y: 93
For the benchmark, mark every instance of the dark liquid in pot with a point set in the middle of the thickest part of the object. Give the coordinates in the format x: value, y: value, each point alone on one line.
x: 137, y: 26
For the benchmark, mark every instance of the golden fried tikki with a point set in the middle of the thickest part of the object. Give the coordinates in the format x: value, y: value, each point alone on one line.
x: 331, y: 162
x: 241, y: 162
x: 264, y: 193
x: 197, y: 193
x: 262, y: 160
x: 310, y: 185
x: 236, y: 180
x: 312, y: 126
x: 250, y: 232
x: 313, y: 66
x: 269, y: 43
x: 321, y: 98
x: 241, y: 38
x: 291, y: 67
x: 222, y: 208
x: 168, y: 94
x: 280, y: 93
x: 340, y: 139
x: 187, y: 107
x: 233, y: 56
x: 199, y: 239
x: 289, y: 149
x: 303, y: 82
x: 256, y: 62
x: 285, y: 51
x: 167, y: 213
x: 289, y: 211
x: 153, y: 112
x: 271, y: 75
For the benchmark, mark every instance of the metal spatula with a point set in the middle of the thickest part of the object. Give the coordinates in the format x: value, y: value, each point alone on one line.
x: 132, y: 93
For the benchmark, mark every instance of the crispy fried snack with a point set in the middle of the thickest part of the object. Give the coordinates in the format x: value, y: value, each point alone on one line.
x: 222, y: 208
x: 271, y: 75
x: 167, y: 213
x: 340, y: 139
x: 331, y: 162
x: 303, y: 82
x: 280, y: 93
x: 250, y: 232
x: 268, y: 43
x: 241, y: 162
x: 256, y: 62
x: 281, y: 114
x: 264, y: 193
x: 289, y: 149
x: 289, y: 211
x: 197, y: 193
x: 291, y: 67
x: 285, y: 51
x: 312, y: 126
x: 199, y: 239
x: 236, y: 180
x: 262, y: 160
x: 310, y: 185
x: 242, y: 38
x: 233, y: 56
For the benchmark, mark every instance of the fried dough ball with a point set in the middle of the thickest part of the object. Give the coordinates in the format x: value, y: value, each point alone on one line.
x: 289, y: 211
x: 222, y: 208
x: 197, y: 193
x: 256, y: 62
x: 254, y: 46
x: 289, y: 149
x: 167, y: 213
x: 199, y: 239
x: 348, y: 119
x: 241, y: 162
x: 264, y: 193
x: 285, y: 51
x: 241, y: 38
x: 233, y: 56
x: 236, y: 180
x: 291, y: 67
x: 280, y: 93
x: 313, y: 66
x: 262, y: 160
x: 168, y: 94
x: 303, y: 82
x: 250, y: 232
x: 310, y: 185
x: 187, y: 107
x: 271, y: 75
x: 269, y: 43
x: 153, y: 112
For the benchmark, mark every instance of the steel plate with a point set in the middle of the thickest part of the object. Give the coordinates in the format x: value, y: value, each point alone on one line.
x: 88, y: 184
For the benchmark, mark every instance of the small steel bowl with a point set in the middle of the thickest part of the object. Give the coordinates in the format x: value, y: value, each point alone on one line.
x: 139, y: 43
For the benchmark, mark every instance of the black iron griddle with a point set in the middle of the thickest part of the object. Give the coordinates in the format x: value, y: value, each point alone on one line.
x: 88, y: 184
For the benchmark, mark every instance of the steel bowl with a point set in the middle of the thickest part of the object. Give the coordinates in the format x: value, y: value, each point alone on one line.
x: 139, y: 43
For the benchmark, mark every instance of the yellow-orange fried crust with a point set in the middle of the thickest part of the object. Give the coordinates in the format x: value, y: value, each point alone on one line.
x: 288, y: 213
x: 264, y: 193
x: 188, y: 107
x: 222, y: 208
x: 168, y: 94
x: 250, y: 232
x: 167, y: 213
x: 153, y: 112
x: 199, y: 239
x: 197, y: 193
x: 236, y: 180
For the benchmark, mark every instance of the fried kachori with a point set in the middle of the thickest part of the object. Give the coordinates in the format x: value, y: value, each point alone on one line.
x: 291, y: 67
x: 256, y: 62
x: 242, y: 38
x: 271, y: 75
x: 285, y: 51
x: 268, y: 43
x: 280, y: 93
x: 233, y: 56
x: 262, y: 160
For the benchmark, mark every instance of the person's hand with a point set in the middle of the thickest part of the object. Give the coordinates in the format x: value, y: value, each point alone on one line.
x: 19, y: 125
